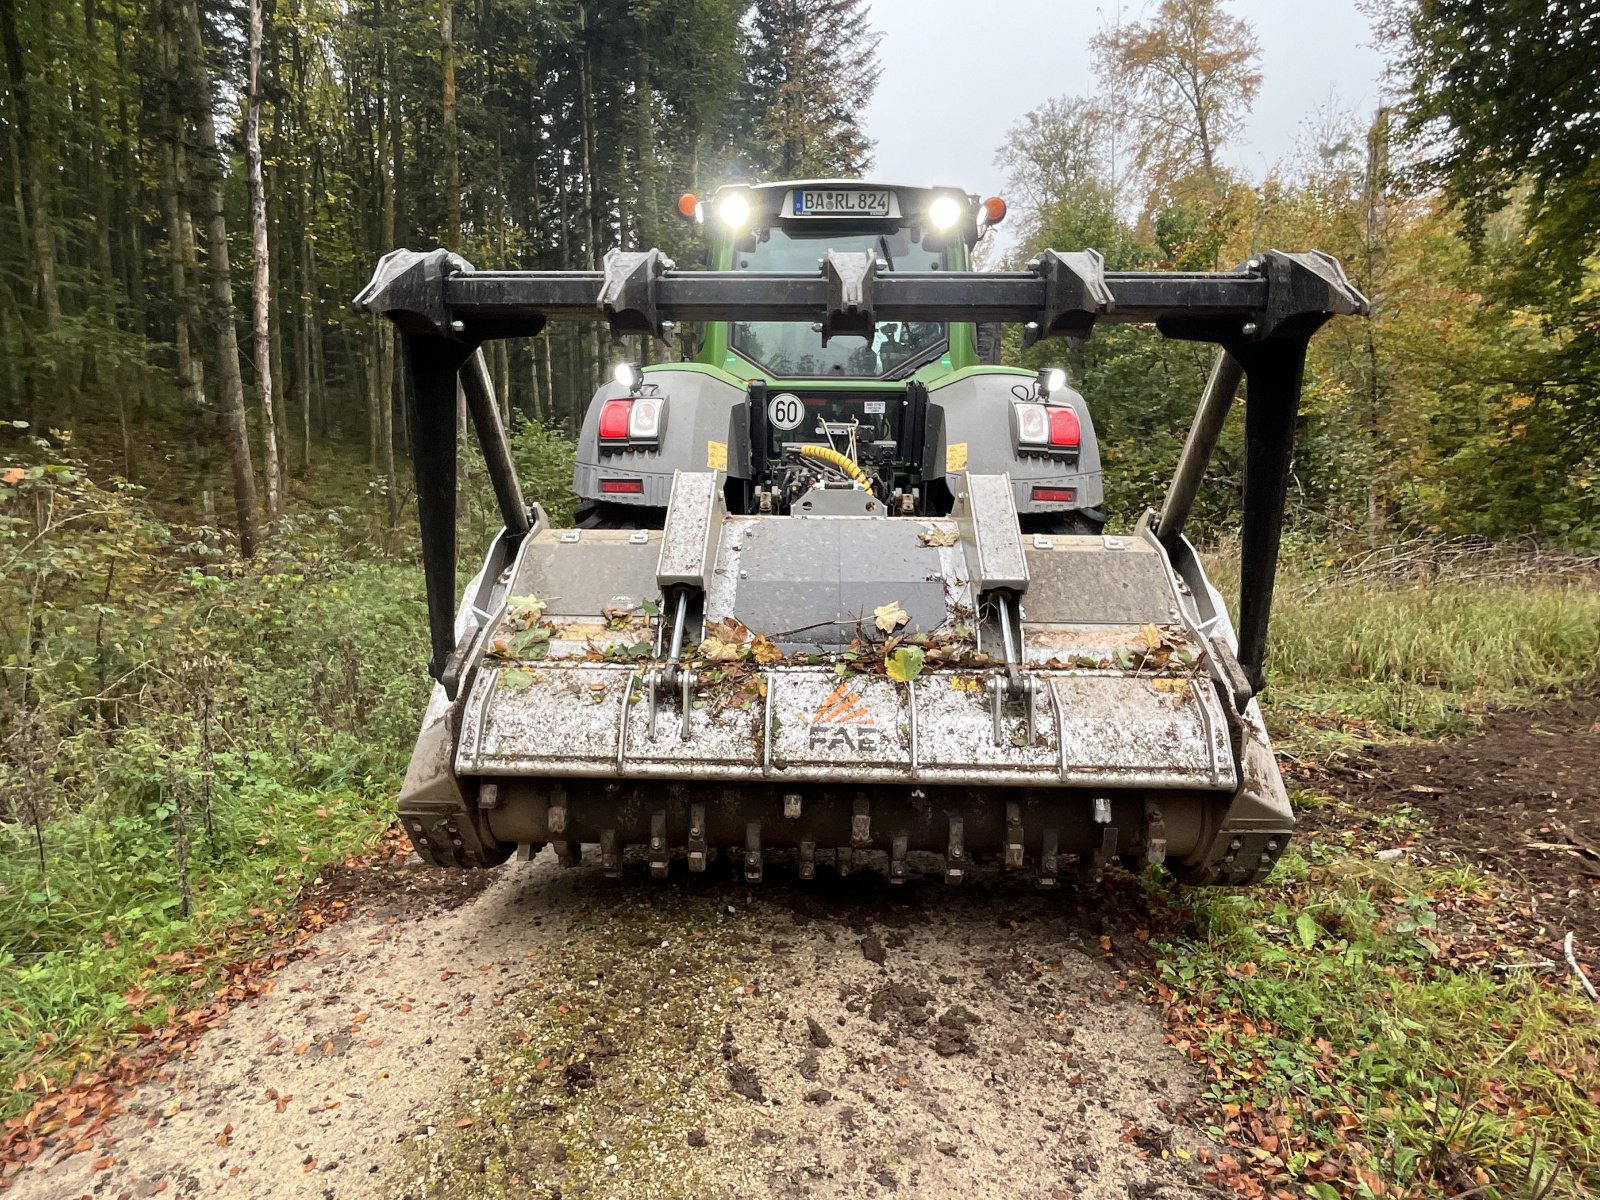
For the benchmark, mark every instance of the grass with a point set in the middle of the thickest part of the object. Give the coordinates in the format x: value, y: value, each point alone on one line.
x: 1356, y: 1037
x: 1357, y: 1054
x: 198, y: 738
x: 1417, y: 657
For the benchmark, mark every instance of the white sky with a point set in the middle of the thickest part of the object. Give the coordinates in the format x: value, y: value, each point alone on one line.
x: 939, y: 120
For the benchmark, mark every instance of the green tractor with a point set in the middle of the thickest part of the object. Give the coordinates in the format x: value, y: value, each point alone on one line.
x: 854, y: 395
x: 838, y: 586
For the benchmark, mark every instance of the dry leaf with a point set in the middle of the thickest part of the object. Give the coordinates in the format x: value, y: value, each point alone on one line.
x: 889, y: 617
x: 938, y: 537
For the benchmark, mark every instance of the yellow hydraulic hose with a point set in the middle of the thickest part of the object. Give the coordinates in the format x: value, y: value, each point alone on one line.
x: 830, y: 455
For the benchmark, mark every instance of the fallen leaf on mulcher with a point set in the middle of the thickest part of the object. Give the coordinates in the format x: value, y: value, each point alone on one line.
x: 889, y: 617
x: 725, y: 641
x: 938, y: 537
x: 904, y: 665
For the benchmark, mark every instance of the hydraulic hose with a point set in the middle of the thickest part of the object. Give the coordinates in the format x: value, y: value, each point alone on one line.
x: 829, y: 455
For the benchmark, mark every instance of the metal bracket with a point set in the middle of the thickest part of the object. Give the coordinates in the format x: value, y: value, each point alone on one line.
x: 408, y: 288
x: 628, y: 293
x: 1075, y: 294
x: 850, y: 275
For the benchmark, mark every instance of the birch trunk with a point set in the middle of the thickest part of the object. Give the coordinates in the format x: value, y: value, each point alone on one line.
x: 261, y: 276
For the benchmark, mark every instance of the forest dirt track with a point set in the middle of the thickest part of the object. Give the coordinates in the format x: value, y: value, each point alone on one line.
x: 564, y: 1034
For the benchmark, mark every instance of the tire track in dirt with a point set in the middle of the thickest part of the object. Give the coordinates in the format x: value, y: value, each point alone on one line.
x: 567, y: 1035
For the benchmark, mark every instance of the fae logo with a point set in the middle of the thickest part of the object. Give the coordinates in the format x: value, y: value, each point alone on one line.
x: 842, y: 722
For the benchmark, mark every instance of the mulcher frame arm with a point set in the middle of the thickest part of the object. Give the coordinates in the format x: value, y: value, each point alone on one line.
x: 1262, y: 317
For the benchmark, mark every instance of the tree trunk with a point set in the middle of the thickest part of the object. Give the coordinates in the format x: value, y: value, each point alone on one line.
x: 230, y: 382
x: 389, y: 139
x: 32, y: 184
x: 261, y: 278
x: 452, y: 156
x: 591, y: 193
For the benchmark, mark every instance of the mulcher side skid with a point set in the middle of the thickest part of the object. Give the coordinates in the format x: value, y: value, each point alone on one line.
x: 853, y: 688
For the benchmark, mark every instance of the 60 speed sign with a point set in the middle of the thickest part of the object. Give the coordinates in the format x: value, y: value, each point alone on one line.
x: 786, y: 411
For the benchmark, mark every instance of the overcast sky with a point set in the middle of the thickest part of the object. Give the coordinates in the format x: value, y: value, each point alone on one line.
x: 939, y: 119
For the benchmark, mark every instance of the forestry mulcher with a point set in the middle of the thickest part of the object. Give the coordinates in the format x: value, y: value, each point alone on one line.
x: 838, y: 586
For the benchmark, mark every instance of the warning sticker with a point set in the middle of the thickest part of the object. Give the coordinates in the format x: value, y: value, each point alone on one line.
x: 955, y: 457
x: 717, y: 456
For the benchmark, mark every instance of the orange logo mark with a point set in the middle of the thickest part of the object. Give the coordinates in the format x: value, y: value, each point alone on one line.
x: 842, y: 707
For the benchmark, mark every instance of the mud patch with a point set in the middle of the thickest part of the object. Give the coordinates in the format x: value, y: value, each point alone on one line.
x: 1520, y: 800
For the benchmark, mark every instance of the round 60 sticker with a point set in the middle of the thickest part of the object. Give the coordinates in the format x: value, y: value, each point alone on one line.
x: 786, y: 411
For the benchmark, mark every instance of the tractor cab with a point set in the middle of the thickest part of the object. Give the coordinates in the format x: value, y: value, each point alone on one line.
x: 791, y: 226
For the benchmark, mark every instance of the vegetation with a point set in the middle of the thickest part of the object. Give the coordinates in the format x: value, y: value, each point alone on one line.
x: 188, y: 741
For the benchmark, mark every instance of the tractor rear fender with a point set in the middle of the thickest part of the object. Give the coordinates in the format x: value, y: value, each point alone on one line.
x: 705, y: 430
x: 970, y: 429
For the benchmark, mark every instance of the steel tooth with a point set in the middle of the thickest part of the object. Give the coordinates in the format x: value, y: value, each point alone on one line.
x: 1048, y: 853
x: 1013, y: 836
x: 697, y: 837
x: 861, y: 824
x: 526, y: 851
x: 808, y: 859
x: 567, y: 854
x: 897, y: 858
x: 752, y: 852
x: 955, y: 855
x: 1155, y: 835
x: 610, y: 854
x: 488, y: 795
x: 556, y: 818
x: 843, y: 860
x: 659, y: 853
x: 1092, y: 865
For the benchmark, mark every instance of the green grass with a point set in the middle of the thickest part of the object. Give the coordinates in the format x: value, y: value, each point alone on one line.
x: 1418, y: 657
x: 1331, y: 999
x: 1331, y: 1007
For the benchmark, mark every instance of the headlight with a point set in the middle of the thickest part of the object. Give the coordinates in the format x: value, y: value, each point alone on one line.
x: 733, y: 210
x: 944, y: 212
x: 1051, y: 379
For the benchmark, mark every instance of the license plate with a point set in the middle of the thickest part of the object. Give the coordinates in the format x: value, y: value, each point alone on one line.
x: 839, y: 202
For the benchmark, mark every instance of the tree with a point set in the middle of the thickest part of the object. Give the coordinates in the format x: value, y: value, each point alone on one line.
x: 261, y: 284
x: 1498, y: 109
x: 1189, y: 76
x: 195, y: 79
x: 812, y: 67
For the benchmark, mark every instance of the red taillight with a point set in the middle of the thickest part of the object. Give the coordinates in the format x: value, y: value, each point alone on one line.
x: 1063, y: 426
x: 627, y: 487
x: 614, y: 416
x: 1054, y: 495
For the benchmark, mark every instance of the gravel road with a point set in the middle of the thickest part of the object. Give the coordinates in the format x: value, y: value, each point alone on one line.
x: 559, y: 1034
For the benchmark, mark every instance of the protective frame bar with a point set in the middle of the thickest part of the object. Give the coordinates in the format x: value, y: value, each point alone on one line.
x: 1262, y: 317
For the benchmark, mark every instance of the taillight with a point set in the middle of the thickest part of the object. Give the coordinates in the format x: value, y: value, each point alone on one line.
x: 1054, y: 495
x: 644, y: 422
x: 614, y: 418
x: 632, y: 422
x: 1046, y: 428
x: 624, y: 487
x: 1033, y: 424
x: 1064, y: 426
